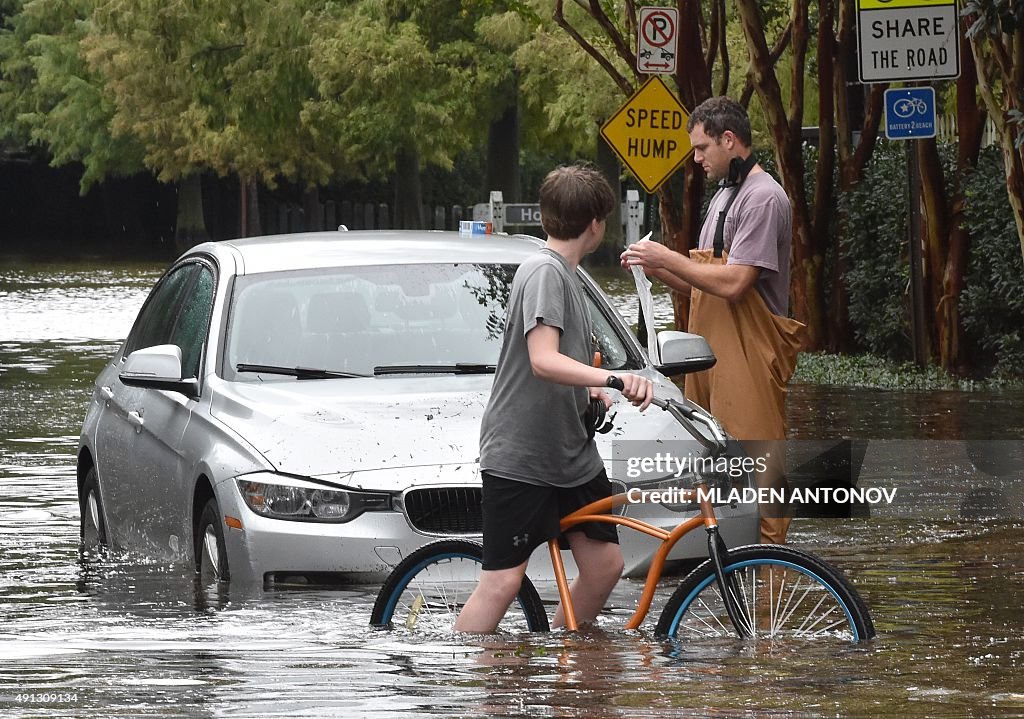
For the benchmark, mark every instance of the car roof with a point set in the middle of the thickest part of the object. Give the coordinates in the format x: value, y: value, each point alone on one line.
x: 313, y: 250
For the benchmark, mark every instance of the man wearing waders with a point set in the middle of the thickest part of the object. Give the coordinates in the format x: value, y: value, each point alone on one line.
x: 738, y: 282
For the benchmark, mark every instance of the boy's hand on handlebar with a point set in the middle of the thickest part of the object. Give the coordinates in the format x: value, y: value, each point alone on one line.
x: 637, y: 389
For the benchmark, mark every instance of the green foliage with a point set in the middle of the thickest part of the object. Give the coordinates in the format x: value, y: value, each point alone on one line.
x: 993, y: 300
x: 49, y: 97
x: 565, y: 95
x: 875, y: 248
x: 215, y: 85
x: 873, y: 372
x: 389, y: 81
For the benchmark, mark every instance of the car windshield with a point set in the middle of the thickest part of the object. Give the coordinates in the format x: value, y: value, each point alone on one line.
x: 394, y: 319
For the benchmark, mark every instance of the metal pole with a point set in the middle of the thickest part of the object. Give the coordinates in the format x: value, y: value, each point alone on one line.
x: 497, y: 211
x: 634, y: 216
x: 917, y: 316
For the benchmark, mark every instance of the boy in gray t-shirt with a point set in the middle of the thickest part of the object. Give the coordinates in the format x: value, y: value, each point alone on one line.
x: 537, y: 461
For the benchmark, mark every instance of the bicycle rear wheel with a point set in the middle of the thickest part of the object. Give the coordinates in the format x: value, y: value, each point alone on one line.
x: 784, y: 594
x: 428, y: 589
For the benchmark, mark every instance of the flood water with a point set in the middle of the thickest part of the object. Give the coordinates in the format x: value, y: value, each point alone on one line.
x: 113, y: 635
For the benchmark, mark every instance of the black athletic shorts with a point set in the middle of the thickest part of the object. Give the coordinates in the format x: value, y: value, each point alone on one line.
x: 518, y: 517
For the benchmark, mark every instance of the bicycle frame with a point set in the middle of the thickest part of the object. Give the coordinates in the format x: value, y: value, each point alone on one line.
x: 595, y: 512
x: 599, y: 511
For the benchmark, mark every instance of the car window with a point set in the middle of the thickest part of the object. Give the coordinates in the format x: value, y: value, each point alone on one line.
x: 357, y: 318
x: 193, y: 322
x: 614, y: 355
x: 155, y: 322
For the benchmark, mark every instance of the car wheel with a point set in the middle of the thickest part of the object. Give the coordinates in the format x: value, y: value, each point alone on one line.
x: 92, y: 525
x: 209, y: 549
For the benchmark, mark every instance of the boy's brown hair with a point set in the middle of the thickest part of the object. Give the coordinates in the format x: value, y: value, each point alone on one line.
x: 571, y: 197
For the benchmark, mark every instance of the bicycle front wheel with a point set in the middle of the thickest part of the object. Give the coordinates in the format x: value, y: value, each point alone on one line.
x: 428, y: 589
x: 782, y: 594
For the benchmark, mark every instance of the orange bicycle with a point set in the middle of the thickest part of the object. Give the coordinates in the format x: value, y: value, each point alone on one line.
x: 756, y: 592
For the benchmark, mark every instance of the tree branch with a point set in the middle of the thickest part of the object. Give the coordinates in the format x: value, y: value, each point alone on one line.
x: 776, y: 52
x: 620, y: 43
x: 798, y: 22
x: 559, y: 18
x: 726, y: 63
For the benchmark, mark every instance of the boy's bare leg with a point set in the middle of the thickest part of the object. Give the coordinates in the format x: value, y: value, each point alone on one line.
x: 490, y: 600
x: 600, y: 565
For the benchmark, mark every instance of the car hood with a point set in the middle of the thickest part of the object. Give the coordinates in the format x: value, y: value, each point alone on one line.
x: 322, y: 427
x: 334, y: 428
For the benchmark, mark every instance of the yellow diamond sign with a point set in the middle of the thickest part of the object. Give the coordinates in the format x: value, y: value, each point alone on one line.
x: 648, y: 133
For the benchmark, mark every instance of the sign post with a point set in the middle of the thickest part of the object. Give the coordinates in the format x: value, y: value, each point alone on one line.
x: 909, y: 41
x: 648, y: 133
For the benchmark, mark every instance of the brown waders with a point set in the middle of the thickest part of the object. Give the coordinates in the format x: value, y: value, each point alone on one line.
x: 746, y: 389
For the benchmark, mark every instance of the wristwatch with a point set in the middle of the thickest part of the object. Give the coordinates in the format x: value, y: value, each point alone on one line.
x: 614, y: 382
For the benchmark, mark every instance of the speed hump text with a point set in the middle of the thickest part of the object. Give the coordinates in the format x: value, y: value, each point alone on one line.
x: 648, y: 133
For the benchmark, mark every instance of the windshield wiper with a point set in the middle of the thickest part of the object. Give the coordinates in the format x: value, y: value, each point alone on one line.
x: 297, y: 372
x: 458, y: 368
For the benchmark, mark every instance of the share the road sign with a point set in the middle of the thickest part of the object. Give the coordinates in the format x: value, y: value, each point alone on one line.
x: 905, y: 40
x: 648, y: 133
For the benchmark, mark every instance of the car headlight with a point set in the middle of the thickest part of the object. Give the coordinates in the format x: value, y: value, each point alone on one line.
x: 278, y: 497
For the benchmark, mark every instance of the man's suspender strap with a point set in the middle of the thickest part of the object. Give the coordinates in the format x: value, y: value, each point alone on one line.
x: 738, y: 171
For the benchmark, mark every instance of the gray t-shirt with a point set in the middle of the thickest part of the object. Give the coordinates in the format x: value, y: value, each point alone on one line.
x: 758, y: 232
x: 532, y: 430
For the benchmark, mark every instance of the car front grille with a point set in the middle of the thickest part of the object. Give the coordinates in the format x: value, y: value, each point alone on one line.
x: 445, y: 510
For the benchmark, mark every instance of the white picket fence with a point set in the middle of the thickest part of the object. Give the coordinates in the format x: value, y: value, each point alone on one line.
x: 946, y: 129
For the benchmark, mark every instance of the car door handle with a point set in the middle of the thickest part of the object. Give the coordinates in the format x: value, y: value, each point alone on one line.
x: 135, y: 418
x: 107, y: 392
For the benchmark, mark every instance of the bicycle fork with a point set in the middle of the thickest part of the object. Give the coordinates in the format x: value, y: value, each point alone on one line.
x: 727, y: 586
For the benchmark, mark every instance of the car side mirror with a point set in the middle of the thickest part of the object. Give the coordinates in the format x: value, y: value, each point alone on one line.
x: 158, y: 367
x: 683, y: 352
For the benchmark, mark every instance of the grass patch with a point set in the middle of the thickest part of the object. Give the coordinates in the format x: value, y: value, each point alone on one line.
x: 877, y: 373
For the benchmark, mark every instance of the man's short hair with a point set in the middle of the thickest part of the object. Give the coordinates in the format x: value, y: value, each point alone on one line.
x: 571, y: 197
x: 718, y: 114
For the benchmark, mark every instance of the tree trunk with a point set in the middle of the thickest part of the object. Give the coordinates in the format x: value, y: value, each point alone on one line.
x: 312, y: 210
x: 408, y: 211
x: 934, y: 233
x: 970, y: 124
x: 999, y: 61
x: 614, y: 237
x: 190, y: 227
x: 253, y: 208
x: 784, y: 126
x: 503, y: 154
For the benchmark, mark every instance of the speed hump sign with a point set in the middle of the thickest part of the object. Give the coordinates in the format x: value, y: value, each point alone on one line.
x: 648, y: 133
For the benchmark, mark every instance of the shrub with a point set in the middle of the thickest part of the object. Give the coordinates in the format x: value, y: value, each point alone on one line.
x: 992, y: 305
x: 875, y: 247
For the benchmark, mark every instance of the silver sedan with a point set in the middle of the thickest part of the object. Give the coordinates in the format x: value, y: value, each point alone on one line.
x: 307, y: 407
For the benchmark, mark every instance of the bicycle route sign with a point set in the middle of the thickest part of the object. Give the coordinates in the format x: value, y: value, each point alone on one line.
x: 648, y: 133
x: 907, y: 40
x: 657, y: 40
x: 910, y: 113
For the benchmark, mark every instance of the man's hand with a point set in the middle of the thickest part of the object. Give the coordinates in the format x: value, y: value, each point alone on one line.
x: 646, y: 254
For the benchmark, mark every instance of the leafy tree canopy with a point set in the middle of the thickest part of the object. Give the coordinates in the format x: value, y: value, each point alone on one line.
x: 49, y: 97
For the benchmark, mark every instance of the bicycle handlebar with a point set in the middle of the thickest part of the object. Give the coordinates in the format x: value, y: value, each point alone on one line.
x: 686, y: 415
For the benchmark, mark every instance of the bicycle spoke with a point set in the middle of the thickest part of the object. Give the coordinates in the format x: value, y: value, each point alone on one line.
x: 792, y: 604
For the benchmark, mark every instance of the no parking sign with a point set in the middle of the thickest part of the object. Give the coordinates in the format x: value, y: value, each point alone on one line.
x: 657, y: 40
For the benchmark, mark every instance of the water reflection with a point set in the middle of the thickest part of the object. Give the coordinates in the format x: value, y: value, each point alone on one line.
x: 108, y: 634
